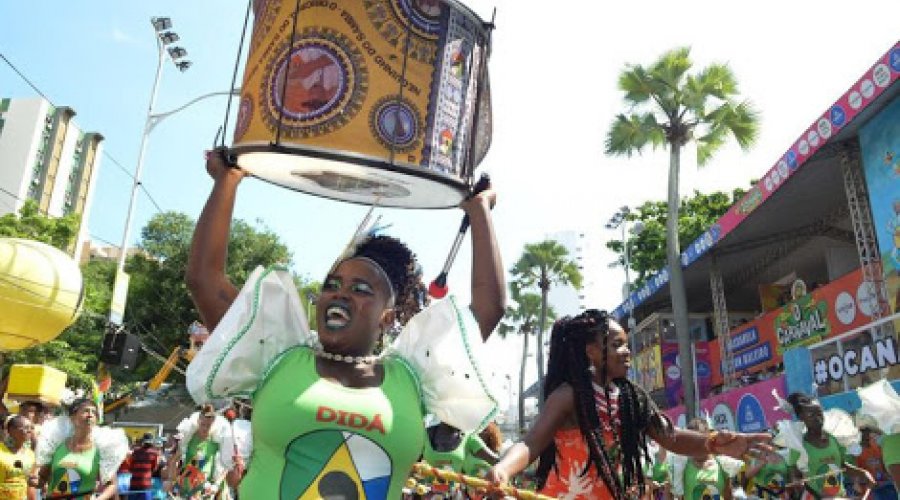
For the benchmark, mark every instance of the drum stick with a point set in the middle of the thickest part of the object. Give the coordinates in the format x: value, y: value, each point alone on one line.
x: 422, y: 470
x: 438, y: 288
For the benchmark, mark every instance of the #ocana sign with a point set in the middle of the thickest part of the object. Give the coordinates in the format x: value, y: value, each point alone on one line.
x: 856, y: 361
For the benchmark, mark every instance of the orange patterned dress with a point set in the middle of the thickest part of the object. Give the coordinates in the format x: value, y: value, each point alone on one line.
x: 566, y: 480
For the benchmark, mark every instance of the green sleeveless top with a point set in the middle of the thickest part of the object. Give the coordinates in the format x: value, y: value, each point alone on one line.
x: 73, y: 473
x: 199, y: 457
x: 313, y: 438
x: 826, y: 463
x: 707, y: 482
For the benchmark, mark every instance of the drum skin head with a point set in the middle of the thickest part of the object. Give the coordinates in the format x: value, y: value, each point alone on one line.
x: 375, y: 183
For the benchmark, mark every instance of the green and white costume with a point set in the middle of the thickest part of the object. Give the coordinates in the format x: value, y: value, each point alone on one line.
x: 314, y: 438
x: 80, y: 471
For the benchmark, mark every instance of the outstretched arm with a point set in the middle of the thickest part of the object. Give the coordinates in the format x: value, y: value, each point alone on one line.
x: 488, y: 282
x: 210, y: 287
x: 558, y: 411
x: 741, y: 446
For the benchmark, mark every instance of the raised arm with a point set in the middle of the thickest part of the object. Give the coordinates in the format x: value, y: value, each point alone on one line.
x: 209, y: 286
x: 488, y: 281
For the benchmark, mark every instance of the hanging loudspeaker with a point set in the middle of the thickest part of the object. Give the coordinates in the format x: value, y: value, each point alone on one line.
x: 121, y: 349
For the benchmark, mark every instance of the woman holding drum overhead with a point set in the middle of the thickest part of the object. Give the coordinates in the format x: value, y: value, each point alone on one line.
x: 331, y: 416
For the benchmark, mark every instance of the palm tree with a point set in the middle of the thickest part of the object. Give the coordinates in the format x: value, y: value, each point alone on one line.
x: 522, y: 320
x: 543, y: 265
x: 668, y: 108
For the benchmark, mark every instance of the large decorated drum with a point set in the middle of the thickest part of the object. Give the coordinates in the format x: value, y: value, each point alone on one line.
x: 367, y: 101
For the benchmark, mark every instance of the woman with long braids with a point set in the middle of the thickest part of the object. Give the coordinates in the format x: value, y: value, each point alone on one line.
x: 16, y: 460
x: 592, y: 432
x: 333, y: 417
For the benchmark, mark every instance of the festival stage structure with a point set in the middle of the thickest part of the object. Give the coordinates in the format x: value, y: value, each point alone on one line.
x: 798, y: 283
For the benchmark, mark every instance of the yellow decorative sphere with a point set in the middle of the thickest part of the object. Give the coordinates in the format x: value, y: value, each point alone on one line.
x: 41, y: 291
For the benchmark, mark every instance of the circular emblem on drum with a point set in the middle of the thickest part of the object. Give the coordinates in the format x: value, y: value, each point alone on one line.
x: 245, y: 112
x: 418, y: 20
x: 316, y: 86
x: 424, y: 14
x: 264, y: 14
x: 395, y: 122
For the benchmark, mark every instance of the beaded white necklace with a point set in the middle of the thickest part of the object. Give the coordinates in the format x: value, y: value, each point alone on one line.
x: 347, y: 359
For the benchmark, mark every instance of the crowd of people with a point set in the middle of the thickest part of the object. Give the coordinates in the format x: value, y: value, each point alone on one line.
x: 341, y: 412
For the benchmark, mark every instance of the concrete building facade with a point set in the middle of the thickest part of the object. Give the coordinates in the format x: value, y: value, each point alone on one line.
x: 45, y: 157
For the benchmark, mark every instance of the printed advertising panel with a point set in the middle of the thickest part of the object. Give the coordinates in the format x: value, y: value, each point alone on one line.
x: 880, y: 142
x: 838, y: 307
x: 745, y: 409
x: 873, y: 83
x: 648, y: 371
x: 704, y: 372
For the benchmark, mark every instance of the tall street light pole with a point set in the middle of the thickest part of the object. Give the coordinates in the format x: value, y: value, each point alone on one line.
x: 165, y: 37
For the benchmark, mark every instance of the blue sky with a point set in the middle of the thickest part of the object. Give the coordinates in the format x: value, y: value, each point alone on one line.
x: 553, y: 75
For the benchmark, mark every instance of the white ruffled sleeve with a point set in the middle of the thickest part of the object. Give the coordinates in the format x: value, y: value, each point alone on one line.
x: 881, y: 404
x: 112, y: 444
x: 265, y: 320
x: 237, y: 436
x: 54, y: 432
x: 677, y: 463
x: 790, y: 436
x: 443, y: 346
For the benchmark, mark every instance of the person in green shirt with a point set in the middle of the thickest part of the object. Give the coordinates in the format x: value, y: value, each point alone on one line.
x: 704, y: 477
x: 332, y: 416
x: 827, y: 459
x: 766, y: 476
x: 660, y: 474
x: 74, y: 466
x: 198, y: 474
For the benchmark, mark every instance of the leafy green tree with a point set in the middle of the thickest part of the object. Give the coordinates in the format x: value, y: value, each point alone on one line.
x: 522, y: 320
x: 31, y: 224
x: 159, y: 308
x: 541, y: 266
x: 669, y: 107
x: 646, y: 250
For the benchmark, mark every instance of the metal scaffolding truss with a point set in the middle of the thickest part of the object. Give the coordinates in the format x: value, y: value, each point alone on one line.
x: 864, y: 231
x: 721, y: 324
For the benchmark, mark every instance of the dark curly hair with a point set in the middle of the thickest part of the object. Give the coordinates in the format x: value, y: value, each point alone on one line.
x: 568, y: 363
x: 78, y: 403
x: 403, y: 271
x: 798, y: 401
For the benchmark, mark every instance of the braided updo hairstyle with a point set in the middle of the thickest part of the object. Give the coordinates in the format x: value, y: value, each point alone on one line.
x: 399, y: 263
x: 568, y: 363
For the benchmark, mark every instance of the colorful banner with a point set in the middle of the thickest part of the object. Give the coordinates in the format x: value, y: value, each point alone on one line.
x: 674, y: 391
x: 745, y: 409
x: 879, y: 77
x: 704, y: 368
x: 880, y: 143
x: 704, y: 371
x: 838, y: 307
x: 648, y: 371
